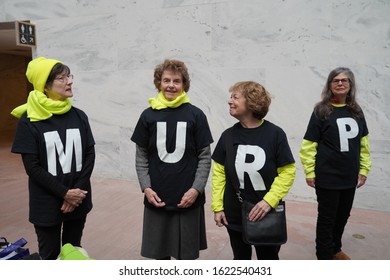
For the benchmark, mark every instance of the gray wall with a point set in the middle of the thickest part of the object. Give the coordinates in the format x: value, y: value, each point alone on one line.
x: 289, y: 46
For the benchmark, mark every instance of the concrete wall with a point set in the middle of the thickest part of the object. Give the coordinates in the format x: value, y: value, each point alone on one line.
x: 290, y: 46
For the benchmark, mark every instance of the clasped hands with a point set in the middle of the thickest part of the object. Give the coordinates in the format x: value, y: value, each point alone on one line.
x: 73, y: 198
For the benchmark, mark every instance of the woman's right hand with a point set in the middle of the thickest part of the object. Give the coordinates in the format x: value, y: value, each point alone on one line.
x: 311, y: 182
x: 220, y: 219
x: 153, y: 198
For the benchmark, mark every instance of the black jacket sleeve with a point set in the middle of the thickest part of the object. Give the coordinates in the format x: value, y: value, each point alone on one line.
x: 40, y: 176
x: 88, y: 166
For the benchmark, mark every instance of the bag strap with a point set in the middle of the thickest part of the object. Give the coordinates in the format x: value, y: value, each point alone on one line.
x: 4, y: 243
x: 230, y: 163
x: 13, y: 247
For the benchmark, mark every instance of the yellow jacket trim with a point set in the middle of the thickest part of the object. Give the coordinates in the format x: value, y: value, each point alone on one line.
x: 281, y: 185
x: 365, y: 161
x: 279, y: 188
x: 308, y: 154
x: 218, y: 182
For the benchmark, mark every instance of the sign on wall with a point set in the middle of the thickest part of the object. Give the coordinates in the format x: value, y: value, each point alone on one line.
x: 25, y: 34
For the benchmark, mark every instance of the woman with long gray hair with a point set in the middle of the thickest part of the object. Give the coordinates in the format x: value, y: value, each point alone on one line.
x: 335, y: 154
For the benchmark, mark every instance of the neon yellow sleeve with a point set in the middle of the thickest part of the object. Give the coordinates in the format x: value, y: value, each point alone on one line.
x: 308, y: 153
x: 218, y: 181
x: 281, y: 185
x: 365, y: 161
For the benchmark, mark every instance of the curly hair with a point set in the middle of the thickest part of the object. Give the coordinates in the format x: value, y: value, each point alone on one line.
x: 175, y: 66
x: 257, y: 97
x: 324, y: 108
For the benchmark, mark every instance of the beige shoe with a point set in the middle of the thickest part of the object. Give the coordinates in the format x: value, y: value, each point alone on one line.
x: 341, y: 256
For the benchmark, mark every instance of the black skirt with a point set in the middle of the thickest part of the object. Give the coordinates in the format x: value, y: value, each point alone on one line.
x: 177, y: 234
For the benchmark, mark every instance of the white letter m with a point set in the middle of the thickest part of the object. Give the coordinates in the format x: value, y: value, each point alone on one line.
x: 54, y: 146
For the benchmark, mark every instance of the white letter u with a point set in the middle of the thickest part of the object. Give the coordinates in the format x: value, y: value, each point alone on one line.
x: 176, y: 155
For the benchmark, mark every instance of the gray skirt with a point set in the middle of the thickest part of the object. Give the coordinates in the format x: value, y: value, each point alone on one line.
x: 177, y: 234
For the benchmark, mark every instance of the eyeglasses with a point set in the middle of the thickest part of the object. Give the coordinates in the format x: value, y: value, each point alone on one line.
x: 343, y: 81
x: 64, y: 79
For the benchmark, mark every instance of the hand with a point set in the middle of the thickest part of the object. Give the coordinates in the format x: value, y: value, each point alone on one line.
x: 361, y: 180
x: 188, y: 198
x: 311, y: 182
x: 75, y: 196
x: 153, y: 198
x: 220, y: 219
x: 67, y: 207
x: 259, y: 211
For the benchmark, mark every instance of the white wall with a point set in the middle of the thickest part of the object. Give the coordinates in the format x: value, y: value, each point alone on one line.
x: 290, y: 46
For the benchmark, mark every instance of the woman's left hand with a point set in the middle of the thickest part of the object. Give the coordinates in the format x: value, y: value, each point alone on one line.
x: 259, y: 211
x: 67, y: 207
x: 188, y: 198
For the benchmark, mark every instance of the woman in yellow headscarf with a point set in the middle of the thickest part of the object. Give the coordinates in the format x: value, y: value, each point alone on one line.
x: 57, y: 148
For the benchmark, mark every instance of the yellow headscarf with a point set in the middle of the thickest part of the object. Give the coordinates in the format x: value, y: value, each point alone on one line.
x: 160, y: 102
x: 39, y: 106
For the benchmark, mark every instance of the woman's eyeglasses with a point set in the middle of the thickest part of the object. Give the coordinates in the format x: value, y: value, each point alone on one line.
x: 343, y: 81
x: 64, y: 79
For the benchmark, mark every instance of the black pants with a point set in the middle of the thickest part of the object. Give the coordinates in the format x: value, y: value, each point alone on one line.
x: 334, y: 208
x: 50, y: 240
x: 243, y: 251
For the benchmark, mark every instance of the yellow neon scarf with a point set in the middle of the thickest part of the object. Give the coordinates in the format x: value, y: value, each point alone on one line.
x: 39, y: 107
x: 160, y: 102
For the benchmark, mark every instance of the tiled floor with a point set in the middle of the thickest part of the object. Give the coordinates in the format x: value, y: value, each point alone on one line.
x: 113, y: 230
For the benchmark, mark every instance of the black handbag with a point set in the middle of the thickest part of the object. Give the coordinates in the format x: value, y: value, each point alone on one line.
x: 272, y: 229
